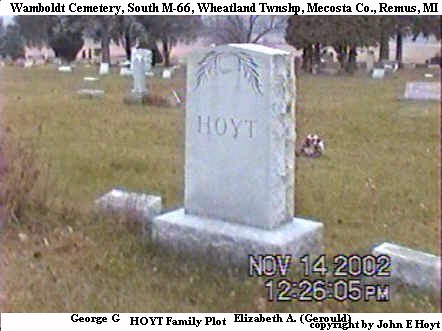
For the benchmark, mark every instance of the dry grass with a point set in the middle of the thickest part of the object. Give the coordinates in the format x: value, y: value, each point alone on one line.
x: 378, y: 182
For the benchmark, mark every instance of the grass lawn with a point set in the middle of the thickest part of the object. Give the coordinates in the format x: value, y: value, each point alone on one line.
x: 379, y: 181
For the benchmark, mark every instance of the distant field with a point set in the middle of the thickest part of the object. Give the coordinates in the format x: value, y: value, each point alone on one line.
x: 378, y: 181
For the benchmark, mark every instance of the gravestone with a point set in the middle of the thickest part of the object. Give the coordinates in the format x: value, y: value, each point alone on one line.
x: 28, y: 64
x: 145, y: 55
x: 411, y: 267
x: 167, y: 73
x: 140, y: 64
x: 40, y: 62
x: 239, y: 168
x: 125, y: 68
x: 378, y: 73
x: 90, y: 79
x: 140, y: 207
x: 90, y: 93
x: 423, y: 91
x: 104, y: 68
x: 65, y: 69
x: 370, y: 60
x: 125, y: 71
x: 390, y: 66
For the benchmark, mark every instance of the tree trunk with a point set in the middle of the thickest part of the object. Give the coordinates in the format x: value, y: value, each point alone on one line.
x: 342, y: 56
x: 307, y: 58
x: 317, y: 54
x: 166, y: 52
x: 105, y: 47
x: 384, y: 49
x: 351, y: 63
x: 128, y: 46
x: 399, y: 48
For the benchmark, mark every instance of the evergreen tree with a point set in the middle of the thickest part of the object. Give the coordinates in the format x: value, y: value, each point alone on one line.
x: 12, y: 43
x: 64, y: 34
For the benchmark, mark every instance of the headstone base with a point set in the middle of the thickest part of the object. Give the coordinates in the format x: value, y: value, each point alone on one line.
x: 136, y: 98
x: 229, y: 244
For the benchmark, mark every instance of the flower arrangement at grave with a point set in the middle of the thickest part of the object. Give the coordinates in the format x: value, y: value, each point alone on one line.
x: 312, y: 147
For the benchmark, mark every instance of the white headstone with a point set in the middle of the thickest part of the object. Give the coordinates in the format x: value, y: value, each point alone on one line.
x: 239, y: 169
x: 104, y: 68
x: 370, y: 61
x: 139, y: 75
x: 167, y: 74
x: 65, y: 69
x: 125, y: 71
x: 90, y: 79
x: 378, y: 73
x: 145, y: 54
x: 29, y: 64
x: 240, y: 136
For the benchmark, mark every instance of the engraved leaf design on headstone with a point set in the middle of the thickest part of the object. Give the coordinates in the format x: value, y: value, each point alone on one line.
x: 246, y: 64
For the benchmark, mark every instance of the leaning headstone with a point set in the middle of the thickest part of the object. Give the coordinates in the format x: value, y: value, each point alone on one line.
x: 140, y: 207
x: 423, y: 91
x: 65, y: 69
x: 140, y: 65
x: 378, y: 73
x: 239, y: 169
x: 104, y: 68
x: 412, y: 267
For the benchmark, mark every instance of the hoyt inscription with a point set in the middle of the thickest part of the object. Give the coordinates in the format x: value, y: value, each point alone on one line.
x: 231, y: 127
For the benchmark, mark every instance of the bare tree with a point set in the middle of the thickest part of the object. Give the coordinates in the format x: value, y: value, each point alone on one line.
x: 242, y: 29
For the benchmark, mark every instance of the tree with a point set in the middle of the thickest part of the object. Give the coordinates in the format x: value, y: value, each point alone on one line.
x: 242, y: 29
x: 343, y: 33
x: 427, y: 26
x: 64, y: 34
x: 124, y: 33
x: 347, y: 34
x: 169, y: 30
x: 307, y: 33
x: 2, y: 27
x: 11, y: 42
x: 405, y: 26
x: 104, y: 29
